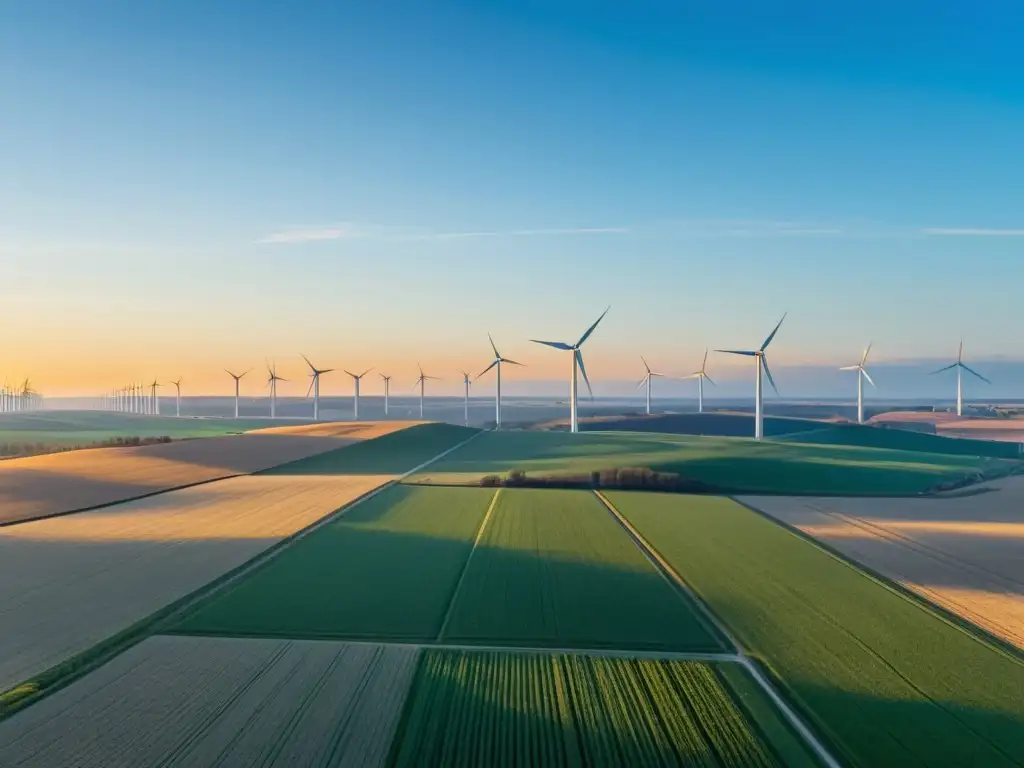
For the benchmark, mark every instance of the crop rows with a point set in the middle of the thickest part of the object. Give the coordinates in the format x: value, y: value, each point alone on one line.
x: 519, y: 709
x: 201, y: 701
x: 554, y: 569
x: 887, y: 680
x: 385, y: 569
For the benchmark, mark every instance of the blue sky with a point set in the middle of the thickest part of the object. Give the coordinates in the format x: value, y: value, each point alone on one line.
x: 382, y: 182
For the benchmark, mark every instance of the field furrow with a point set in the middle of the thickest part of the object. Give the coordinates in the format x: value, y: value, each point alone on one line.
x: 513, y: 709
x: 173, y: 701
x: 888, y: 681
x: 554, y: 569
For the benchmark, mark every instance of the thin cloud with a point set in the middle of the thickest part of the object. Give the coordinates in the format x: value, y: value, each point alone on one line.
x: 972, y: 232
x: 313, y: 235
x: 525, y: 233
x: 349, y: 231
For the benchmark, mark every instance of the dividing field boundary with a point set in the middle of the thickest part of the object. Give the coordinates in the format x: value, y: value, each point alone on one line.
x: 69, y: 670
x: 791, y: 716
x: 465, y: 566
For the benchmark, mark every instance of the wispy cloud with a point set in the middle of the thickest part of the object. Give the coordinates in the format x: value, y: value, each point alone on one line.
x: 523, y: 233
x: 313, y: 234
x: 767, y: 228
x: 972, y: 232
x: 351, y: 231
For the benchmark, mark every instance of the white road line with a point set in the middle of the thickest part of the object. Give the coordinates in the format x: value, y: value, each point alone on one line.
x: 794, y: 719
x: 465, y: 569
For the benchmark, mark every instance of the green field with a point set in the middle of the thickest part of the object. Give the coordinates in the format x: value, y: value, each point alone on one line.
x: 905, y: 440
x: 386, y: 569
x: 515, y: 709
x: 391, y: 454
x: 554, y: 569
x: 737, y: 465
x: 884, y: 678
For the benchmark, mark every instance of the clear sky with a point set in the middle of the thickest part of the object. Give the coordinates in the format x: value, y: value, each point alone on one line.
x: 186, y: 186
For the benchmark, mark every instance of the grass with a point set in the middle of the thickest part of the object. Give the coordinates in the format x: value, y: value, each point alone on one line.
x: 391, y: 454
x: 386, y: 569
x: 515, y: 709
x: 905, y: 440
x: 739, y: 465
x: 886, y: 679
x: 554, y: 569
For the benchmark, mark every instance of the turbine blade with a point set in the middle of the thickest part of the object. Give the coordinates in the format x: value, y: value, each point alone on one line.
x: 645, y: 364
x: 485, y: 370
x: 948, y: 367
x: 864, y: 359
x: 311, y: 366
x: 850, y: 368
x: 772, y: 334
x: 590, y: 330
x: 960, y: 352
x: 971, y: 370
x: 496, y: 352
x: 767, y: 370
x: 511, y: 362
x: 556, y: 344
x: 866, y: 376
x: 705, y: 363
x: 652, y: 373
x: 363, y: 373
x: 641, y: 384
x: 350, y: 373
x: 745, y: 352
x: 311, y: 383
x: 709, y: 380
x: 583, y: 370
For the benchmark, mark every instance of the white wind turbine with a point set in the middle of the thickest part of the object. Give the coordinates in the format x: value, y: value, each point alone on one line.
x: 154, y: 398
x: 701, y: 376
x: 237, y: 377
x: 496, y: 364
x: 355, y: 401
x: 862, y: 373
x: 960, y: 368
x: 387, y: 392
x: 761, y: 361
x: 422, y: 381
x: 577, y: 367
x: 314, y: 386
x: 647, y: 380
x: 272, y: 380
x: 177, y: 400
x: 467, y: 383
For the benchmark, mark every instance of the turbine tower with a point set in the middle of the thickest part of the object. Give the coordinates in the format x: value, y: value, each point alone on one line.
x: 237, y: 377
x: 761, y: 361
x: 314, y: 386
x: 862, y: 373
x: 577, y: 367
x: 154, y: 398
x: 422, y: 380
x: 700, y: 376
x: 496, y: 364
x: 647, y: 380
x: 387, y: 392
x: 272, y: 380
x: 355, y: 400
x: 177, y: 398
x: 960, y: 368
x: 467, y: 383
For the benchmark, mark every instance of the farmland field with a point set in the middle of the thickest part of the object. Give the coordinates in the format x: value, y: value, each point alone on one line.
x: 904, y: 440
x: 883, y: 677
x: 173, y: 701
x: 554, y: 569
x: 486, y: 708
x: 737, y: 465
x: 71, y: 582
x: 964, y: 553
x: 386, y: 569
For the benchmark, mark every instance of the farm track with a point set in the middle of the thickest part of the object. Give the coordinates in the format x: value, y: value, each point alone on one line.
x: 791, y: 716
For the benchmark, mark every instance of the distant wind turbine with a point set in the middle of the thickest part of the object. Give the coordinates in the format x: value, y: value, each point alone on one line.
x: 387, y: 392
x: 272, y: 380
x: 577, y: 367
x: 422, y: 380
x: 862, y: 373
x: 356, y: 379
x: 496, y: 364
x: 700, y: 376
x: 761, y: 361
x: 237, y: 377
x: 155, y: 401
x: 314, y: 386
x: 960, y: 368
x: 177, y: 401
x: 467, y: 383
x: 647, y: 380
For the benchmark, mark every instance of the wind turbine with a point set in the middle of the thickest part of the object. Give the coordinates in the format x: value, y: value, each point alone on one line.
x: 960, y: 368
x: 862, y: 373
x: 496, y: 363
x: 237, y: 377
x: 155, y: 401
x: 647, y: 380
x: 761, y: 361
x: 700, y: 376
x: 577, y: 366
x: 422, y: 380
x: 314, y: 386
x: 272, y: 381
x: 177, y: 400
x: 355, y: 400
x: 466, y: 381
x: 387, y: 392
